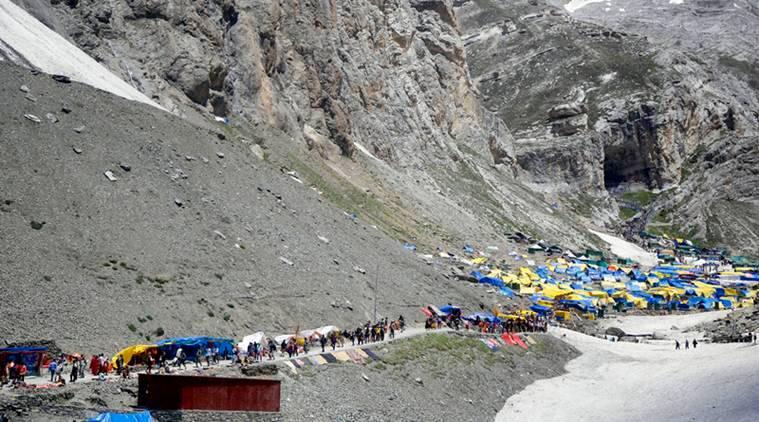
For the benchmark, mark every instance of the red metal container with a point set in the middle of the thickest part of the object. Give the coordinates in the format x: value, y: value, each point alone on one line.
x: 186, y: 392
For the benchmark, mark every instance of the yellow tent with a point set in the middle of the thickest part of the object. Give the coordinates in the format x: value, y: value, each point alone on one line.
x: 551, y: 291
x: 524, y: 290
x: 510, y: 278
x: 479, y: 261
x: 138, y: 351
x: 495, y: 273
x: 527, y: 272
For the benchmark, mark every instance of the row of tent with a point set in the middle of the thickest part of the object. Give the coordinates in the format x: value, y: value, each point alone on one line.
x: 135, y: 354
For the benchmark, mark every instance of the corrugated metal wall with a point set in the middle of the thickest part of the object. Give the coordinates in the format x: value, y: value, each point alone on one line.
x: 175, y: 392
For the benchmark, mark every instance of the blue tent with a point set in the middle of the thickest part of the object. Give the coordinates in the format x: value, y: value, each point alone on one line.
x: 449, y: 309
x: 31, y: 356
x: 122, y: 417
x: 190, y: 345
x: 484, y: 316
x: 506, y: 291
x: 540, y: 309
x: 492, y: 281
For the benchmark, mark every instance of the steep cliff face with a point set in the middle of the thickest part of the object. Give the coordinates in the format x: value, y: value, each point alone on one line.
x: 390, y: 75
x: 602, y: 102
x: 375, y: 96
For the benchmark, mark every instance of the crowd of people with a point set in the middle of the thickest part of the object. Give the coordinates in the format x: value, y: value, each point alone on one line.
x: 157, y: 360
x: 454, y: 321
x: 294, y: 346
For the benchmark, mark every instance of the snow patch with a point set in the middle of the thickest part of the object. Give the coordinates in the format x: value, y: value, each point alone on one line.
x: 365, y: 151
x: 576, y: 5
x: 27, y: 42
x: 620, y: 381
x: 605, y: 79
x: 676, y: 1
x: 627, y: 250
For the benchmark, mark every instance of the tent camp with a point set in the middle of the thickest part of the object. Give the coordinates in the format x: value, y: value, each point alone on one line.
x: 32, y: 357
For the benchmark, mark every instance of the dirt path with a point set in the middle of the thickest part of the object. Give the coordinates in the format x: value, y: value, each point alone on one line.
x: 407, y: 333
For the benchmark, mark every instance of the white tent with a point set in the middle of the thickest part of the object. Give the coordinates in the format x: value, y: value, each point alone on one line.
x: 258, y: 337
x: 283, y: 337
x: 326, y: 330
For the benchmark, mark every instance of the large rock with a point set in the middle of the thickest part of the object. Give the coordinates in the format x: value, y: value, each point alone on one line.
x: 191, y: 77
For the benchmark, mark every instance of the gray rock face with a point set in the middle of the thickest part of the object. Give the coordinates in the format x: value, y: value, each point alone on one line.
x: 637, y: 96
x: 354, y: 80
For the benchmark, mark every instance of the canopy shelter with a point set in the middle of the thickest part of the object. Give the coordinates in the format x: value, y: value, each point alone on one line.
x: 134, y: 355
x: 483, y: 316
x: 190, y: 345
x: 258, y: 337
x: 32, y: 357
x: 450, y: 309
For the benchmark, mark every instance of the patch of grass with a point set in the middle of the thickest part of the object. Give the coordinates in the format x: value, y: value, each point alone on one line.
x: 389, y: 217
x: 463, y: 348
x: 749, y: 70
x: 641, y: 198
x: 626, y: 213
x: 227, y: 317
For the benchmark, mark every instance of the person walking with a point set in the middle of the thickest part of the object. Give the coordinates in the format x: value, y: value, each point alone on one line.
x: 272, y: 349
x: 322, y: 341
x: 677, y: 345
x: 695, y: 343
x: 74, y: 370
x: 52, y: 368
x: 687, y: 346
x: 82, y: 366
x: 199, y: 357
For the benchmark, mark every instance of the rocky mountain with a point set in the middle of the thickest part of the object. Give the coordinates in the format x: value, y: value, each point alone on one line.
x: 366, y: 123
x: 614, y: 99
x: 380, y: 90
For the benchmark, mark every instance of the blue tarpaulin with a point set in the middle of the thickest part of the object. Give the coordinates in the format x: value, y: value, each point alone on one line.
x: 506, y: 291
x: 484, y: 316
x: 123, y: 417
x: 540, y: 309
x: 449, y: 309
x: 190, y: 345
x: 492, y: 281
